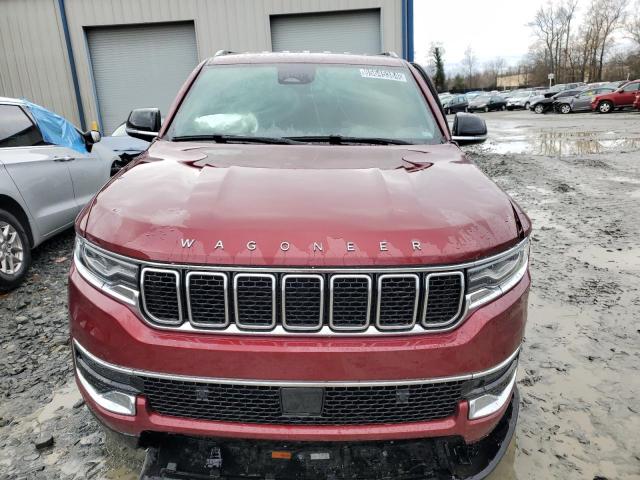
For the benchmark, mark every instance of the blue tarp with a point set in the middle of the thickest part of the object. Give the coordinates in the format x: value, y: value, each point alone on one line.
x: 55, y: 129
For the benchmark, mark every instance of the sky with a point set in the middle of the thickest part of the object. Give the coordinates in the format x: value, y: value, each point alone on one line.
x: 493, y: 28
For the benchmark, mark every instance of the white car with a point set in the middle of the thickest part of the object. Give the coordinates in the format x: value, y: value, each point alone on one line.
x: 44, y: 183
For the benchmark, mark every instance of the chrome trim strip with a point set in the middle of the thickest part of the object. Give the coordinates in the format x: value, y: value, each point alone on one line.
x: 178, y: 295
x: 106, y: 403
x: 273, y: 301
x: 360, y: 328
x: 490, y: 403
x: 362, y: 270
x: 226, y: 299
x: 301, y: 383
x: 283, y: 284
x: 407, y: 326
x: 428, y: 277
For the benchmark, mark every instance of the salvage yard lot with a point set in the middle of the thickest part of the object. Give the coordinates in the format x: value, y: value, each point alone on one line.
x: 577, y: 176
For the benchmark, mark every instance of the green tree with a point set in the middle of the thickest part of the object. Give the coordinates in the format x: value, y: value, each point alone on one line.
x: 437, y: 57
x: 458, y: 83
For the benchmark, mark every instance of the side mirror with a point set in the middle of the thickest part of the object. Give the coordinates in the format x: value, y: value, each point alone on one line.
x: 468, y: 128
x: 90, y: 138
x: 144, y: 123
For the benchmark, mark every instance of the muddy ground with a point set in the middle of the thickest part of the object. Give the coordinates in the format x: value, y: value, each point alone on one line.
x: 578, y: 177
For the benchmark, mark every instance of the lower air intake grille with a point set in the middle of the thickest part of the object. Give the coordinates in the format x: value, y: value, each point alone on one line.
x: 360, y: 405
x: 444, y: 298
x: 160, y: 292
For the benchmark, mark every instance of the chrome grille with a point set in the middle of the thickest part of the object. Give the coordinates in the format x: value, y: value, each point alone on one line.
x: 398, y: 297
x: 207, y: 299
x: 161, y: 295
x: 255, y: 300
x: 350, y: 302
x: 302, y: 301
x: 444, y: 294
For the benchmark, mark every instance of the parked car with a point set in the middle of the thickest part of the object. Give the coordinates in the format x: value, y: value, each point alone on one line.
x: 549, y: 103
x: 580, y: 102
x: 457, y: 103
x: 623, y: 97
x: 487, y: 103
x: 126, y: 147
x: 48, y: 171
x: 520, y: 100
x: 296, y: 245
x: 445, y: 98
x: 636, y: 104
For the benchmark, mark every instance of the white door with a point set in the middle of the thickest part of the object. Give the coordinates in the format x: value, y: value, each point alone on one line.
x: 139, y: 66
x: 39, y: 171
x: 355, y: 31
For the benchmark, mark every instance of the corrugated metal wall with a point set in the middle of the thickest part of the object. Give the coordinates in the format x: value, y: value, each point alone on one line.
x: 239, y: 25
x: 33, y: 55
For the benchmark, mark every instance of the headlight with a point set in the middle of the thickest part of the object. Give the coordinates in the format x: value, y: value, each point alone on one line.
x: 117, y: 277
x: 498, y: 275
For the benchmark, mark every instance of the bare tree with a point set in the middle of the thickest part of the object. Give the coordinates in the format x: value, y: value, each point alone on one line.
x: 613, y: 15
x: 632, y: 26
x: 469, y: 62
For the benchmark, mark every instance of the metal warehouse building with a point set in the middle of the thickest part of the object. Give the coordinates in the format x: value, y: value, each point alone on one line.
x: 97, y: 59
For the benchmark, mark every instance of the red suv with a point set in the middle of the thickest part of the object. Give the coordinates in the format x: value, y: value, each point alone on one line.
x: 623, y: 97
x: 304, y: 255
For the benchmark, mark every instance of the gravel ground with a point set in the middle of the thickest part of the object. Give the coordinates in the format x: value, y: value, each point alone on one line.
x: 578, y: 177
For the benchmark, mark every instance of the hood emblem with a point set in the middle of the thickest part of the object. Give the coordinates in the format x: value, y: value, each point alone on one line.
x: 284, y: 246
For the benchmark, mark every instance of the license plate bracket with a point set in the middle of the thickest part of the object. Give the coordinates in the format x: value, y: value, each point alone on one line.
x: 302, y: 401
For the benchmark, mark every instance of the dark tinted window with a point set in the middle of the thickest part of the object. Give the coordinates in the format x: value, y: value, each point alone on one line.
x: 17, y: 129
x: 632, y: 87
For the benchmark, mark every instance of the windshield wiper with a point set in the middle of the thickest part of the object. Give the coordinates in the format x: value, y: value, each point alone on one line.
x: 341, y: 140
x: 219, y: 138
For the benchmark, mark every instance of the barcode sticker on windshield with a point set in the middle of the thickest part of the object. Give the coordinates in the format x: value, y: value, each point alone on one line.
x: 383, y: 74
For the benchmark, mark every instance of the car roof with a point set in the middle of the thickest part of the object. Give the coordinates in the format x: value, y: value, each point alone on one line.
x: 11, y: 101
x: 389, y: 59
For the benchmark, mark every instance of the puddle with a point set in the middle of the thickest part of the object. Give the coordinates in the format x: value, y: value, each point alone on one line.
x: 64, y: 398
x: 560, y: 143
x: 627, y: 259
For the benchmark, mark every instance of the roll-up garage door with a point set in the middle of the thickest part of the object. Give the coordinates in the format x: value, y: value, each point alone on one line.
x: 139, y: 66
x: 355, y: 31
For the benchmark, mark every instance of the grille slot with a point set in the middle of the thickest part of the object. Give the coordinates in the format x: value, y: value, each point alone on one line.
x: 255, y: 300
x: 350, y: 307
x: 443, y: 299
x: 302, y: 302
x: 342, y: 405
x: 161, y: 295
x: 207, y: 299
x: 397, y: 301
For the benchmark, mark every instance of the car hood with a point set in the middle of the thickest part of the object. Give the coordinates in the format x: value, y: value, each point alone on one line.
x: 315, y: 205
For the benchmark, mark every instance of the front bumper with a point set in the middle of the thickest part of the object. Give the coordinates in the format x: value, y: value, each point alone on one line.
x: 112, y: 333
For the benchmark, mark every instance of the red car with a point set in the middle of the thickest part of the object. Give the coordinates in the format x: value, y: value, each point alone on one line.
x: 304, y: 255
x: 623, y: 97
x: 636, y: 104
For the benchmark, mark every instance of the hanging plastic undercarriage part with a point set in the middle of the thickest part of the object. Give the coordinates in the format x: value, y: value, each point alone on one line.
x: 176, y: 457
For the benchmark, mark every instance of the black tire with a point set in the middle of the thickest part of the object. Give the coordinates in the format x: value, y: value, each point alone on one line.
x: 447, y: 111
x: 9, y: 281
x: 526, y: 106
x: 565, y: 108
x: 503, y: 108
x: 605, y: 107
x: 486, y: 109
x: 538, y: 109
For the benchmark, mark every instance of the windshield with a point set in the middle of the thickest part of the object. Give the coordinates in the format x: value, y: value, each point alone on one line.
x: 304, y: 100
x: 482, y: 98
